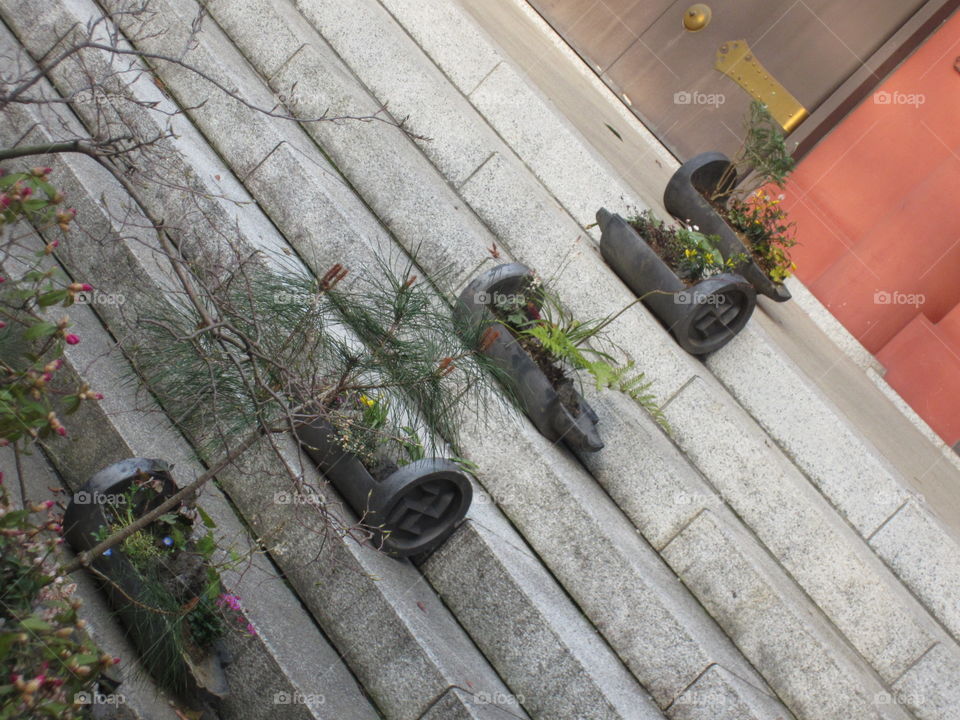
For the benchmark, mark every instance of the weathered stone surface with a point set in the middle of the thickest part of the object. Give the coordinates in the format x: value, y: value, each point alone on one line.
x: 929, y: 689
x: 721, y: 695
x: 822, y: 553
x: 544, y: 140
x: 643, y: 471
x: 404, y: 81
x: 807, y: 662
x: 398, y: 182
x: 924, y: 555
x: 454, y: 43
x: 618, y: 581
x: 555, y: 662
x: 455, y: 704
x: 844, y: 467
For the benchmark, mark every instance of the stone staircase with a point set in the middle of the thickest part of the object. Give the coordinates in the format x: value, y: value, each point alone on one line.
x: 764, y: 562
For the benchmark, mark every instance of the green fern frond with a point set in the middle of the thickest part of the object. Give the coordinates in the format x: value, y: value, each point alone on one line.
x: 635, y: 386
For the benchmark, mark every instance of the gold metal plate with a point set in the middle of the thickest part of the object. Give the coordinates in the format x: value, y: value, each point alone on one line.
x: 736, y: 60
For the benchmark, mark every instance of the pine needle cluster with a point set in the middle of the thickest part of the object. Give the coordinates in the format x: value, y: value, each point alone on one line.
x: 266, y: 344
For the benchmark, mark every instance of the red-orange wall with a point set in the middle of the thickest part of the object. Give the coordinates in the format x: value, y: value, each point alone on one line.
x: 877, y: 207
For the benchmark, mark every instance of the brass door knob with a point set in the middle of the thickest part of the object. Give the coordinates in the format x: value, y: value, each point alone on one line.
x: 697, y: 17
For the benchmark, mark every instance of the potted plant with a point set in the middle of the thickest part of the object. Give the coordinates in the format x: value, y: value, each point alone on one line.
x: 367, y: 371
x: 409, y: 503
x: 538, y: 346
x: 747, y: 220
x: 680, y: 275
x: 161, y: 580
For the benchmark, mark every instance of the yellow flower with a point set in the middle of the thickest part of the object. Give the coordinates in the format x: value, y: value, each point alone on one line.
x: 367, y: 401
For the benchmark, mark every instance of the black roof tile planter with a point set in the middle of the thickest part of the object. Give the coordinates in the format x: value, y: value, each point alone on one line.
x: 537, y: 396
x: 410, y: 512
x: 152, y: 634
x: 685, y: 199
x: 702, y: 317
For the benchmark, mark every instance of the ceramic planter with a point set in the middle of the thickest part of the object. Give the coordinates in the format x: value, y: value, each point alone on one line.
x: 685, y: 199
x: 536, y: 394
x: 412, y: 511
x: 702, y: 317
x: 148, y: 631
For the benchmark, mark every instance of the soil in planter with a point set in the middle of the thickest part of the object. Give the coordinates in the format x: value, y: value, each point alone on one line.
x: 668, y: 246
x: 664, y: 243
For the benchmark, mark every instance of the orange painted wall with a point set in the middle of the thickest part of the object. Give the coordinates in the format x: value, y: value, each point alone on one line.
x: 877, y: 207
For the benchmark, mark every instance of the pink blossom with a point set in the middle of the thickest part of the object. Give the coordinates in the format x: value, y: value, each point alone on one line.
x: 231, y: 601
x: 62, y: 431
x: 251, y: 629
x: 71, y: 339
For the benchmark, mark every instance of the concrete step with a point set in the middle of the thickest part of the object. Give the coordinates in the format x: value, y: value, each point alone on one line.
x: 233, y: 18
x: 521, y: 214
x: 851, y: 473
x: 552, y: 658
x: 410, y: 650
x: 706, y: 636
x: 730, y: 575
x: 125, y: 425
x: 607, y: 677
x: 273, y: 662
x: 236, y: 19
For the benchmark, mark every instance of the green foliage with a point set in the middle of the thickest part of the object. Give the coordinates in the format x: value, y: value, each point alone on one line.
x: 284, y: 339
x: 45, y: 651
x: 768, y: 232
x: 180, y: 583
x: 536, y: 316
x: 764, y: 150
x: 31, y: 345
x: 765, y: 147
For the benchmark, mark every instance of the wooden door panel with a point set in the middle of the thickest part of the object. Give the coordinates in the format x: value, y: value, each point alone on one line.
x: 600, y: 30
x: 642, y: 51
